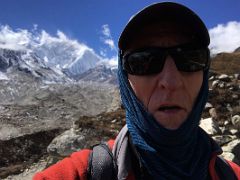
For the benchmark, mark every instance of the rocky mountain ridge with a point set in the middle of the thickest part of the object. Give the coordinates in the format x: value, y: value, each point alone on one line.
x: 100, y: 74
x: 16, y: 65
x: 12, y: 63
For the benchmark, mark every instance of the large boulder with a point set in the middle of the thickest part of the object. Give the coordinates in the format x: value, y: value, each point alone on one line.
x: 210, y: 126
x: 67, y: 143
x: 233, y: 147
x: 85, y: 133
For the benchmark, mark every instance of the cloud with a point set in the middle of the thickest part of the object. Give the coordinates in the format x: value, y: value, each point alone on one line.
x: 103, y: 52
x: 110, y: 43
x: 110, y: 62
x: 106, y: 30
x: 23, y: 39
x: 225, y: 37
x: 59, y: 49
x: 35, y: 27
x: 113, y: 61
x: 14, y: 40
x: 106, y: 37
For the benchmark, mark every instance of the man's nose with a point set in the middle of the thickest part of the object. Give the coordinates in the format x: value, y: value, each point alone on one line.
x: 170, y: 77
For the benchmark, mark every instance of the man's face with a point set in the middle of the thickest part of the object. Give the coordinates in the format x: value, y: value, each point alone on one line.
x: 169, y: 95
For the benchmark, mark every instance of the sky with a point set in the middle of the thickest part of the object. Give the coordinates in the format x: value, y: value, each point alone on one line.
x: 97, y: 24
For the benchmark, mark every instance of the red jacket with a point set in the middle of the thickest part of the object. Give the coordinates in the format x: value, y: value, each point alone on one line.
x: 75, y: 167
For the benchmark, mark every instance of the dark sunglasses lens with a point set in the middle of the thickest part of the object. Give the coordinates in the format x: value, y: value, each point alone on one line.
x: 192, y: 60
x: 151, y: 61
x: 143, y: 63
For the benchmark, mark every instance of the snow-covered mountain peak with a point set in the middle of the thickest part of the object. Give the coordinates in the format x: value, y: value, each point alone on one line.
x: 55, y: 51
x: 34, y: 50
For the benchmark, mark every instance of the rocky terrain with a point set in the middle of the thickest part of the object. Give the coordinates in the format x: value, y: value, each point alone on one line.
x: 28, y: 126
x: 43, y: 123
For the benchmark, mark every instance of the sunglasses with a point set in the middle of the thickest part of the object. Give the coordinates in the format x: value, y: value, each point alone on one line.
x: 147, y: 61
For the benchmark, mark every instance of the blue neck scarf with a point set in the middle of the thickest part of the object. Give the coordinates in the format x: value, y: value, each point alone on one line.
x: 183, y: 153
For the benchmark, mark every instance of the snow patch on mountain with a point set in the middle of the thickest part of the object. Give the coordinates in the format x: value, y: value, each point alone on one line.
x: 3, y: 76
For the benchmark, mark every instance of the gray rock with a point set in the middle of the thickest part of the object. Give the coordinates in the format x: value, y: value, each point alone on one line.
x: 221, y: 85
x: 230, y: 156
x: 215, y: 83
x: 229, y: 108
x: 210, y: 126
x: 223, y: 139
x: 208, y: 106
x: 231, y: 77
x: 235, y: 96
x: 211, y: 78
x: 114, y: 121
x: 224, y: 77
x: 233, y: 147
x: 66, y: 143
x: 236, y: 121
x: 225, y: 131
x: 233, y: 131
x: 213, y: 113
x: 237, y: 76
x: 229, y: 86
x: 226, y: 123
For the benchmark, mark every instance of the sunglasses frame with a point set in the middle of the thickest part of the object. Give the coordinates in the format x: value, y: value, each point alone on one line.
x: 172, y: 51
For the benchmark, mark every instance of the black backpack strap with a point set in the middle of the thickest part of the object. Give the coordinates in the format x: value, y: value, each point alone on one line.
x: 101, y: 164
x: 224, y: 170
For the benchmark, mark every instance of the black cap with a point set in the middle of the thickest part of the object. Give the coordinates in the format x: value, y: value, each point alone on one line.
x: 166, y: 11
